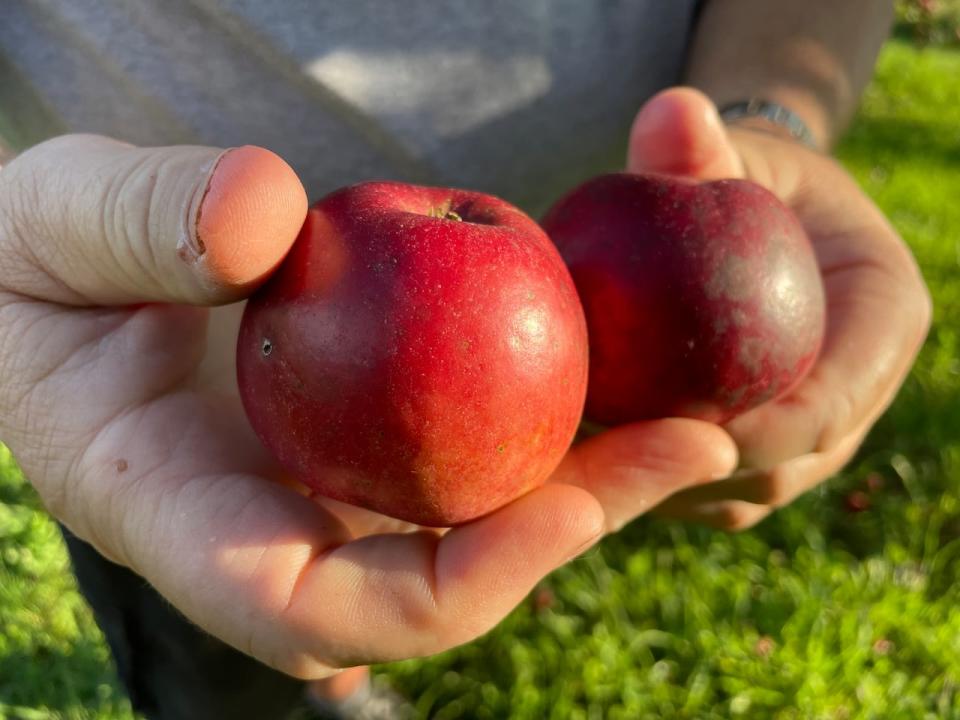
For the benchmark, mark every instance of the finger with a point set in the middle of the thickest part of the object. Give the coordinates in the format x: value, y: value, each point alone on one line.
x: 785, y: 483
x: 429, y: 594
x: 729, y: 515
x: 632, y: 468
x: 679, y: 132
x: 88, y: 220
x: 746, y: 498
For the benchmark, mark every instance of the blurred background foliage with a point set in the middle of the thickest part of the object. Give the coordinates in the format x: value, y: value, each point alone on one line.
x: 929, y: 21
x: 844, y: 605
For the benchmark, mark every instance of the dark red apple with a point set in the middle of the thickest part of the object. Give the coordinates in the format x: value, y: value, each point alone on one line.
x: 421, y: 352
x: 702, y: 299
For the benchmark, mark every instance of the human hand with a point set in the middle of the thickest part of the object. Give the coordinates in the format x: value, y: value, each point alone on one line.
x: 118, y: 397
x: 878, y: 308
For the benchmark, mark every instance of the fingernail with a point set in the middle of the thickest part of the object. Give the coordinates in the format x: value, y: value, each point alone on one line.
x: 190, y: 246
x: 249, y: 215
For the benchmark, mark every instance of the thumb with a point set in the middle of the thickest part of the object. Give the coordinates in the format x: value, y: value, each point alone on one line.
x: 89, y: 220
x: 679, y: 132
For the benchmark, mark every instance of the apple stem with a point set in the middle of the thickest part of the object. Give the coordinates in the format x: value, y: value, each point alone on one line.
x: 445, y: 213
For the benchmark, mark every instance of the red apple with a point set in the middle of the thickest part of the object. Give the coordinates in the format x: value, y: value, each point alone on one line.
x: 702, y: 299
x: 421, y: 352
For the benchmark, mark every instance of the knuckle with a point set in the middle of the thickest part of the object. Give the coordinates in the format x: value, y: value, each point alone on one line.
x: 144, y: 215
x: 48, y: 215
x: 25, y: 187
x: 34, y: 193
x: 126, y: 204
x: 20, y: 196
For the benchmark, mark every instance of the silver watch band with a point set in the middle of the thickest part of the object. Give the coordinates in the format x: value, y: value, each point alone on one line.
x: 771, y: 112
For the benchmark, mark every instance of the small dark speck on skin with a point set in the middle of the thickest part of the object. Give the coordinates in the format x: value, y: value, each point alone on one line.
x: 122, y: 465
x: 501, y: 448
x: 266, y: 347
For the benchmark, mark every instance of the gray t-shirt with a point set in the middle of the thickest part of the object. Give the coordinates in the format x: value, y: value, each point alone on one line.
x: 521, y: 98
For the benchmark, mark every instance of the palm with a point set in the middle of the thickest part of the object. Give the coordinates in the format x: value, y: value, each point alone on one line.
x: 198, y: 426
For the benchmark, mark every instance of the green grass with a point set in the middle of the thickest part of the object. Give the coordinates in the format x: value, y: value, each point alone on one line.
x: 816, y: 613
x: 53, y: 661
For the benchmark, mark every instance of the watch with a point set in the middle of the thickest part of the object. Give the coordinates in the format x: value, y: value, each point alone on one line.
x: 771, y: 112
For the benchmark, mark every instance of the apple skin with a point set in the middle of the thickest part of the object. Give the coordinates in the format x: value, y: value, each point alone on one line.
x: 421, y: 352
x: 703, y: 300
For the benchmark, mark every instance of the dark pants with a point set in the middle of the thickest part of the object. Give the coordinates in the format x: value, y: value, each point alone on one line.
x: 170, y: 668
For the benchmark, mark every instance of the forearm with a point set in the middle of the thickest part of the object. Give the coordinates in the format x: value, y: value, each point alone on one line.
x: 813, y: 56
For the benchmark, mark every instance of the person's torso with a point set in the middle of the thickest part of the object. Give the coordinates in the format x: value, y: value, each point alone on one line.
x: 517, y: 97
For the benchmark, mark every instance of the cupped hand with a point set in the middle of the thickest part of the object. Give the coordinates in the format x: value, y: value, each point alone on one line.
x: 119, y: 400
x: 878, y: 308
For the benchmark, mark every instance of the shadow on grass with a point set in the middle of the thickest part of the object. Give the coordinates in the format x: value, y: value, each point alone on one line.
x: 75, y: 683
